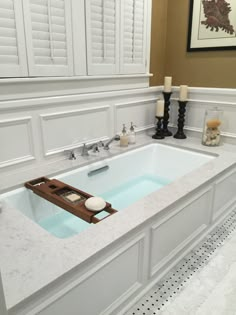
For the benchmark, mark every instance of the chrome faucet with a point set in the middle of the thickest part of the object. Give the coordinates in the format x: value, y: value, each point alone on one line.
x: 106, y: 145
x: 94, y: 147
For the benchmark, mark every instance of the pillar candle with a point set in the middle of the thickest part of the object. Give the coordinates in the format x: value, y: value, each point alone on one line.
x: 160, y: 108
x: 183, y: 93
x: 167, y: 84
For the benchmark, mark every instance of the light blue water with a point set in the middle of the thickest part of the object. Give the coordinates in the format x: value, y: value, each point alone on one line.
x: 129, y: 192
x: 64, y: 224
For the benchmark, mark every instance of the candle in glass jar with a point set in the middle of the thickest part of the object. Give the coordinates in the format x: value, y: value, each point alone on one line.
x: 183, y: 93
x: 160, y: 108
x: 167, y: 84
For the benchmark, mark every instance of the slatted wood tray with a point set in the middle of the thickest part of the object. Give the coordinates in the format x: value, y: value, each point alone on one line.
x: 54, y: 191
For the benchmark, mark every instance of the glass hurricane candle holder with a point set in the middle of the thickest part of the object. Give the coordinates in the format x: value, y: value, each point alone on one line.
x: 211, y: 128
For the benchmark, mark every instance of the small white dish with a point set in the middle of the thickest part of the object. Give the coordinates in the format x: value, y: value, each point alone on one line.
x: 95, y: 204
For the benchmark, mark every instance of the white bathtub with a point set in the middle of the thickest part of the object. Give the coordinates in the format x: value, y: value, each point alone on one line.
x: 121, y: 180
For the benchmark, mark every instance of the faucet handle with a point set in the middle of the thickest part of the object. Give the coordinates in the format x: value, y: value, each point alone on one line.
x: 96, y: 148
x: 100, y: 144
x: 71, y: 154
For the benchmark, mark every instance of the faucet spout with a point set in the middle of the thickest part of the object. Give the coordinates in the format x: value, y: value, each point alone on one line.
x: 116, y: 138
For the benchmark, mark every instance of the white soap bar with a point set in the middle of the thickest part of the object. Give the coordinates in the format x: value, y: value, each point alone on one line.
x: 73, y: 197
x: 95, y: 203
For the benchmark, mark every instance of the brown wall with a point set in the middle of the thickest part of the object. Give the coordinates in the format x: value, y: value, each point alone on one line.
x: 202, y: 69
x: 158, y: 41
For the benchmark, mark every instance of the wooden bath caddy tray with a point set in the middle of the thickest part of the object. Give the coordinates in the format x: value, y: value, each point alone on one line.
x: 67, y: 197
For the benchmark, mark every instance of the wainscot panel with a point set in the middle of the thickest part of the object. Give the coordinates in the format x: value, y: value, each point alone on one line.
x: 16, y: 141
x: 165, y: 245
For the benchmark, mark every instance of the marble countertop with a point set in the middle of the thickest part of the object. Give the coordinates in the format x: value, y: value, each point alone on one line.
x: 29, y: 253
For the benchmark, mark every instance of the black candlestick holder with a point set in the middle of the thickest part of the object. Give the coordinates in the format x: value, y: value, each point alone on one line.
x: 180, y: 132
x: 159, y: 131
x: 166, y: 96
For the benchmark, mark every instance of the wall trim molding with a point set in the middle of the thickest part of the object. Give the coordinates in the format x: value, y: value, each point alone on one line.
x: 48, y: 117
x: 74, y: 78
x: 21, y: 159
x: 136, y: 103
x: 25, y: 88
x: 78, y: 98
x: 215, y: 103
x: 139, y: 102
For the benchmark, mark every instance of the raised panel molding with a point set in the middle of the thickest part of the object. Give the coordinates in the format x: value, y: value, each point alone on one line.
x: 224, y: 193
x: 140, y: 112
x: 132, y: 253
x: 66, y: 130
x: 163, y: 250
x: 16, y: 141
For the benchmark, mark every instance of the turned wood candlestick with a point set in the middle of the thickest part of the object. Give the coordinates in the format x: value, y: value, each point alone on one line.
x: 166, y: 96
x: 159, y: 131
x: 180, y: 132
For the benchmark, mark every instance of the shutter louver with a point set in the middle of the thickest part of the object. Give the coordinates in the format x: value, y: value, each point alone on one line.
x: 48, y: 36
x: 102, y: 36
x: 12, y: 43
x: 133, y: 36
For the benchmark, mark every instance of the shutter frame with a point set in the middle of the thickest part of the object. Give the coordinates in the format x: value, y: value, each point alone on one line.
x: 79, y: 37
x: 8, y: 65
x: 55, y: 57
x: 94, y: 29
x: 130, y: 33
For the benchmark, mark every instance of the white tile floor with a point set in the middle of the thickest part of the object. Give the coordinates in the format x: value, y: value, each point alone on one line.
x: 203, y: 283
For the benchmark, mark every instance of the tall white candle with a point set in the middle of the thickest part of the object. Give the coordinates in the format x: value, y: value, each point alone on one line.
x: 183, y: 93
x: 167, y: 84
x: 160, y: 108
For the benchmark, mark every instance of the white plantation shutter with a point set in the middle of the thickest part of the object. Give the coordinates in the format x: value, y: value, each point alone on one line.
x: 133, y: 36
x: 48, y: 37
x: 102, y: 19
x: 13, y: 61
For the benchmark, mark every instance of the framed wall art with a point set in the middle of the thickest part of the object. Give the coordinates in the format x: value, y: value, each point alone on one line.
x: 212, y: 25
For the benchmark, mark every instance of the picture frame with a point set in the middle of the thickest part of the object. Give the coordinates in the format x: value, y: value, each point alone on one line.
x: 212, y: 25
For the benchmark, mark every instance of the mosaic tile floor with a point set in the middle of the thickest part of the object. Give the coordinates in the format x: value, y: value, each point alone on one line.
x: 180, y: 276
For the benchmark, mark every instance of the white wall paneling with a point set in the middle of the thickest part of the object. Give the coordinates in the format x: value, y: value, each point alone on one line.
x: 63, y: 130
x: 137, y: 105
x: 141, y: 113
x: 124, y: 268
x: 16, y: 141
x: 64, y: 122
x: 201, y: 99
x: 165, y: 245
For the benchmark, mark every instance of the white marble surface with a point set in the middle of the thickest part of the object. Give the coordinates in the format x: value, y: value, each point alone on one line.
x: 211, y: 291
x: 29, y: 253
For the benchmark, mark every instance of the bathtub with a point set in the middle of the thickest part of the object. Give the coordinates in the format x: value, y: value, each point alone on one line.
x: 47, y: 266
x: 121, y: 180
